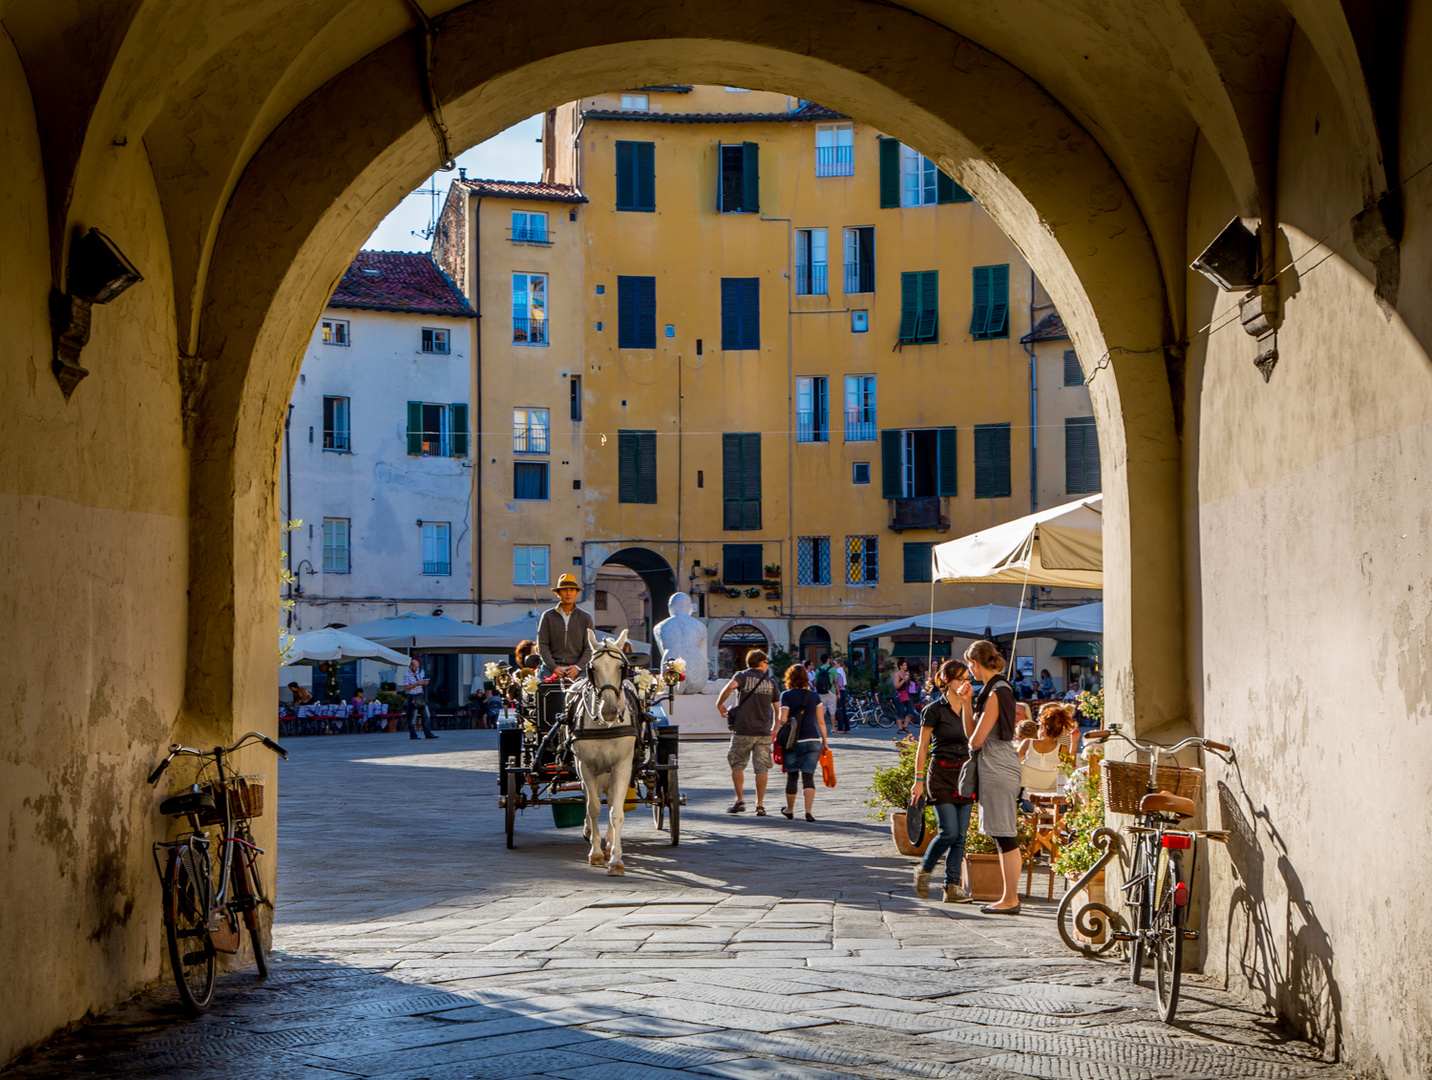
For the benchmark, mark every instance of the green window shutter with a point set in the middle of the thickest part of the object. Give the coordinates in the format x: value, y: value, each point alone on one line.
x: 1073, y: 373
x: 948, y: 479
x: 918, y: 561
x: 459, y: 429
x: 626, y: 176
x: 636, y: 312
x: 1081, y: 455
x: 947, y: 191
x: 979, y: 311
x: 1093, y: 480
x: 909, y: 305
x: 991, y: 461
x: 730, y: 481
x: 646, y: 467
x: 751, y: 313
x: 892, y: 479
x: 750, y: 178
x: 998, y: 325
x: 646, y: 176
x: 751, y: 480
x: 889, y: 172
x: 741, y: 480
x: 730, y: 313
x: 627, y: 442
x: 929, y: 323
x: 740, y: 313
x: 415, y: 428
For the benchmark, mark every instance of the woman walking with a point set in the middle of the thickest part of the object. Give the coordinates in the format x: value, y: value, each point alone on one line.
x: 903, y: 709
x: 800, y: 705
x: 943, y: 739
x: 989, y: 719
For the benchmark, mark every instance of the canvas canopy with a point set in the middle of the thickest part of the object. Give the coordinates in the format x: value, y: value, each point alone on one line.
x: 438, y: 633
x: 317, y: 646
x: 1061, y: 546
x: 986, y: 620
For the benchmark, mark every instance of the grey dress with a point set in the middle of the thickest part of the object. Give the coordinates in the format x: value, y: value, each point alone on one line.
x: 999, y: 770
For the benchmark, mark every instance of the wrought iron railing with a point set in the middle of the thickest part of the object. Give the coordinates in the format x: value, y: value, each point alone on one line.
x: 531, y: 236
x: 335, y: 440
x: 812, y: 280
x: 858, y: 430
x: 916, y: 513
x: 528, y: 331
x: 437, y: 567
x: 811, y: 427
x: 859, y: 277
x: 835, y: 161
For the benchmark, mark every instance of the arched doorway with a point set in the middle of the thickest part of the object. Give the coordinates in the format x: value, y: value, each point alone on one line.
x: 814, y: 641
x: 644, y: 607
x: 733, y: 645
x: 861, y: 653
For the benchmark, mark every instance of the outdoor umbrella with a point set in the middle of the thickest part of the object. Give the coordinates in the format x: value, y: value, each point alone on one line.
x: 316, y: 646
x: 1082, y: 623
x: 504, y: 637
x: 1060, y: 546
x: 426, y: 633
x: 986, y: 620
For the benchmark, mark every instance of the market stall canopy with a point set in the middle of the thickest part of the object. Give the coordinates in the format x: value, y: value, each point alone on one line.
x: 426, y: 633
x: 986, y: 620
x: 1082, y: 623
x: 317, y: 646
x: 1061, y: 546
x: 504, y: 637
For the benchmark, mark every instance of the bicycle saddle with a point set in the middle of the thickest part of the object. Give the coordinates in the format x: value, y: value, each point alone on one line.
x: 195, y: 802
x: 1163, y: 802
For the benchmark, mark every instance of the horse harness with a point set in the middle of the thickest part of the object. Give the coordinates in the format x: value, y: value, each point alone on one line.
x: 585, y: 705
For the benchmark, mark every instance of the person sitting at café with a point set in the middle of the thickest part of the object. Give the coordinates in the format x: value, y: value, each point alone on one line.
x: 1046, y: 685
x: 300, y: 696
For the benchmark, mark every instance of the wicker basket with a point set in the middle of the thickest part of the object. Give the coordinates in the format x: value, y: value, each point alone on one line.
x: 1127, y: 782
x: 246, y: 794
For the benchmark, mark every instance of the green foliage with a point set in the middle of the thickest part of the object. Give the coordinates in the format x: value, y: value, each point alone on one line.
x: 1091, y: 704
x: 1078, y: 854
x: 391, y: 698
x: 780, y: 660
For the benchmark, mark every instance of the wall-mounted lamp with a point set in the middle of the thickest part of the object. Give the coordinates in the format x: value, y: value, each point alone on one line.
x: 98, y: 272
x: 420, y: 523
x: 1231, y: 261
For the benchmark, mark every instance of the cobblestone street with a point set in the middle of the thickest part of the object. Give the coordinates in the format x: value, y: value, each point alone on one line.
x: 411, y: 945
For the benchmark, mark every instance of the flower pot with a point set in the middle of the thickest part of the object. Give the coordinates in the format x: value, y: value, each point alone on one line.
x: 902, y: 840
x: 983, y: 877
x: 1093, y: 893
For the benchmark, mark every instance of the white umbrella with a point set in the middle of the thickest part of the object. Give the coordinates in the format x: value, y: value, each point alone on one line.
x: 986, y: 620
x: 427, y: 633
x: 316, y: 646
x: 504, y: 637
x: 1060, y: 546
x: 1082, y: 623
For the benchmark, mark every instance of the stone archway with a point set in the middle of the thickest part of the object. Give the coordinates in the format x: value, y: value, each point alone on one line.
x: 660, y: 581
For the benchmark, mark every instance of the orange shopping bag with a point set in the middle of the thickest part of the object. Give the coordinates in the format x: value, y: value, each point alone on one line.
x: 827, y: 767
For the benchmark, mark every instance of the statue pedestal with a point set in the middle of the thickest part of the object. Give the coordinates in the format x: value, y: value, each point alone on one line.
x: 696, y: 716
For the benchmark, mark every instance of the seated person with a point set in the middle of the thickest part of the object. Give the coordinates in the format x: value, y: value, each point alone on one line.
x: 300, y: 696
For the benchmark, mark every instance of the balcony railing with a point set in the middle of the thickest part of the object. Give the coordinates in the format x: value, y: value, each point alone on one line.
x: 437, y: 567
x: 858, y: 430
x: 336, y: 440
x: 835, y: 161
x: 811, y: 280
x: 530, y: 236
x: 529, y: 331
x: 529, y: 439
x: 859, y: 277
x: 811, y: 427
x: 921, y: 513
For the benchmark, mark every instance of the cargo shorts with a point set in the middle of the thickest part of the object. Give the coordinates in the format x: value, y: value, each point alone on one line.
x: 755, y: 748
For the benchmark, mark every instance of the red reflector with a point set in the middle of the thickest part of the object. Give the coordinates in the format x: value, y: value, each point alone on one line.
x: 1177, y: 841
x: 1180, y: 894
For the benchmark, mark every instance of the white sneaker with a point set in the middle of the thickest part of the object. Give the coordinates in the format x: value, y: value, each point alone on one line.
x: 922, y: 883
x: 956, y: 895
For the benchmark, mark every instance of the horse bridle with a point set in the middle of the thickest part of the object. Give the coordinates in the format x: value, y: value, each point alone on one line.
x: 610, y: 650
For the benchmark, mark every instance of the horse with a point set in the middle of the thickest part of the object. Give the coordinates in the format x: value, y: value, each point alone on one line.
x: 604, y: 712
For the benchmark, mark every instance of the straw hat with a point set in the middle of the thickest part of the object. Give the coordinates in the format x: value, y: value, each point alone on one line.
x: 566, y: 581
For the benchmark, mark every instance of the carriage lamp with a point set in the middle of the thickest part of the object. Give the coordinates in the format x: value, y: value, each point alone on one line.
x: 98, y: 272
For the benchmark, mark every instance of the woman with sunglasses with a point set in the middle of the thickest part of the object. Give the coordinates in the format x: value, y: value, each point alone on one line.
x: 944, y: 743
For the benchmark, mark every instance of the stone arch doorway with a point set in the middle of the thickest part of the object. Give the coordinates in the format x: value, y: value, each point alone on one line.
x: 814, y: 640
x: 734, y: 643
x: 658, y: 580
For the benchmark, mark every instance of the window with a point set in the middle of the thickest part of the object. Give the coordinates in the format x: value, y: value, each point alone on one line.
x: 811, y: 262
x: 335, y: 424
x: 860, y: 260
x: 812, y: 560
x: 530, y: 431
x: 637, y: 102
x: 636, y: 312
x: 860, y: 472
x: 1081, y: 455
x: 529, y: 481
x: 918, y: 463
x: 599, y: 600
x: 812, y: 409
x: 636, y: 176
x: 741, y: 564
x: 859, y: 321
x: 529, y: 309
x: 908, y: 178
x: 741, y: 480
x: 436, y: 341
x: 575, y: 389
x: 737, y: 90
x: 529, y: 228
x: 1073, y: 373
x: 862, y: 560
x: 636, y: 466
x: 919, y: 306
x: 739, y: 183
x: 989, y: 317
x: 919, y: 563
x: 860, y: 408
x: 835, y: 150
x: 335, y: 332
x: 530, y: 564
x: 437, y: 430
x: 335, y: 546
x: 437, y: 547
x: 741, y: 313
x: 917, y: 178
x: 991, y: 461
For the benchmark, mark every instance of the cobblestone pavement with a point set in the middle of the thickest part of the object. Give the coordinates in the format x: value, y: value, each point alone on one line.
x: 411, y: 945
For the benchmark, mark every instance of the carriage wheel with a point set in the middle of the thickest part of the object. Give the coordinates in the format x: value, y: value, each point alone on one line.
x: 673, y: 803
x: 658, y: 802
x: 511, y: 802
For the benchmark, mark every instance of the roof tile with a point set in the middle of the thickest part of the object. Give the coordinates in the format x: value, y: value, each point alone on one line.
x: 399, y: 281
x: 1049, y: 328
x: 525, y: 189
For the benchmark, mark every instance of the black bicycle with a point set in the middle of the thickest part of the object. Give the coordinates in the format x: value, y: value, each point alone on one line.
x: 205, y: 898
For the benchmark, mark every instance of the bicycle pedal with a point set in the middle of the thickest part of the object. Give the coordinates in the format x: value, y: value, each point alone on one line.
x: 1190, y: 935
x: 1121, y: 935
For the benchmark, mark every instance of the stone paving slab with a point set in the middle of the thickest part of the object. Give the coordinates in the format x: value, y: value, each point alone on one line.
x: 415, y: 946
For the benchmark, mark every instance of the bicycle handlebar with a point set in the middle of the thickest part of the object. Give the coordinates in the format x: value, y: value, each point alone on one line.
x: 178, y: 749
x: 1216, y: 748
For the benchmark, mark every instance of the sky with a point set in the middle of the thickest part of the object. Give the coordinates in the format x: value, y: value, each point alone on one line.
x: 514, y: 155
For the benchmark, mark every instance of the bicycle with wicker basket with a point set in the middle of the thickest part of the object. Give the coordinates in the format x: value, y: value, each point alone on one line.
x: 204, y: 898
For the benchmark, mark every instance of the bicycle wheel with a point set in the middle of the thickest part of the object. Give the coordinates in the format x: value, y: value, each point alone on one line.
x: 1167, y: 935
x: 511, y: 805
x: 658, y: 802
x: 885, y: 715
x: 186, y: 912
x: 1137, y: 902
x: 248, y: 898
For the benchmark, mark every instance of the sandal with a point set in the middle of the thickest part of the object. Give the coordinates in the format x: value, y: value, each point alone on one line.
x: 760, y: 811
x: 787, y: 815
x: 810, y: 817
x: 736, y: 807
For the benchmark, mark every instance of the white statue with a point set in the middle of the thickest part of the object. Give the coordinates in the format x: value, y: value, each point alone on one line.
x: 683, y: 636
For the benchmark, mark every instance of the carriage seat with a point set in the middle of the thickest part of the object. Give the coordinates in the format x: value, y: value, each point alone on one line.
x: 1163, y: 802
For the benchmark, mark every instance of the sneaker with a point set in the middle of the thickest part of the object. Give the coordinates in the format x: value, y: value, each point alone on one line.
x: 956, y: 895
x: 922, y: 883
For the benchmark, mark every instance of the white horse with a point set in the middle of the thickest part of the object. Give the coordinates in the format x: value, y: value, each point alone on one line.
x: 604, y: 712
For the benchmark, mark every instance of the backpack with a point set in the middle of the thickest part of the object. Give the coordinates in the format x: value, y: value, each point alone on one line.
x: 823, y: 679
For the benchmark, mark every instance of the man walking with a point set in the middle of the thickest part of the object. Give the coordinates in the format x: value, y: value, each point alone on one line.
x: 415, y: 686
x: 562, y: 633
x: 826, y: 684
x: 751, y: 723
x: 842, y: 704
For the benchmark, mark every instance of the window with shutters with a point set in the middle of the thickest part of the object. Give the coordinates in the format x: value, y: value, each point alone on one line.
x: 919, y: 562
x: 917, y: 178
x: 636, y: 176
x: 437, y: 341
x: 918, y: 463
x: 740, y: 313
x: 530, y: 228
x: 437, y: 547
x: 835, y: 149
x: 919, y: 306
x: 1073, y: 373
x: 811, y: 262
x: 860, y: 408
x: 529, y: 309
x: 437, y: 430
x: 908, y: 178
x: 335, y: 546
x: 1081, y: 455
x: 741, y: 480
x: 741, y: 564
x: 739, y: 185
x: 862, y: 560
x: 529, y: 481
x: 812, y: 409
x: 636, y: 466
x: 812, y: 560
x: 989, y: 315
x: 860, y: 259
x: 335, y: 332
x: 531, y: 430
x: 335, y: 425
x: 636, y: 312
x: 991, y: 461
x: 530, y: 564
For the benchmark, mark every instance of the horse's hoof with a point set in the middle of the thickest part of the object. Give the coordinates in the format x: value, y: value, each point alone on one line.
x: 597, y: 860
x: 616, y: 869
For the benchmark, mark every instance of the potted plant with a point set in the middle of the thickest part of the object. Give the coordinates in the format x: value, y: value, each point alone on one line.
x: 732, y: 592
x: 773, y: 570
x: 1078, y: 855
x: 890, y: 794
x: 983, y: 877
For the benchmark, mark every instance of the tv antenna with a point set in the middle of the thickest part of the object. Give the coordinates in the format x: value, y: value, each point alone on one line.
x: 433, y: 192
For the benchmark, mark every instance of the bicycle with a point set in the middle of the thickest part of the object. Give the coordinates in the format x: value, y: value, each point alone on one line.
x: 202, y: 907
x: 867, y: 709
x: 1158, y: 889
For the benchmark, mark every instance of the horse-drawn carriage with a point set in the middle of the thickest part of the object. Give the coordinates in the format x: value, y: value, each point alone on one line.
x: 602, y: 734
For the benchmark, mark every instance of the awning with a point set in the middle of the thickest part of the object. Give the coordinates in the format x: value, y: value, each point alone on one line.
x: 1062, y: 546
x: 1076, y: 650
x: 438, y: 633
x: 986, y: 620
x: 912, y: 650
x: 1082, y: 623
x: 319, y: 646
